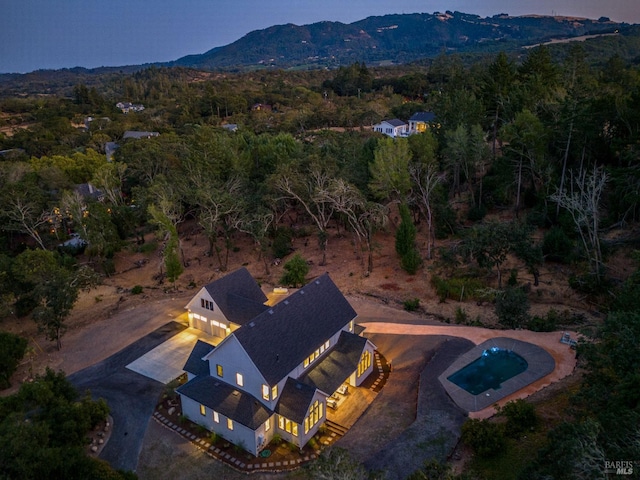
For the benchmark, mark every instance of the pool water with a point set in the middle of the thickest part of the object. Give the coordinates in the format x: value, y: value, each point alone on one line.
x: 489, y: 371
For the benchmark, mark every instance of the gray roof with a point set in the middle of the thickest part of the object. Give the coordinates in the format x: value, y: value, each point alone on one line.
x: 295, y: 400
x: 235, y: 404
x: 395, y: 122
x: 238, y: 296
x: 423, y: 117
x: 280, y: 338
x: 137, y: 134
x: 88, y: 191
x: 195, y: 364
x: 330, y: 372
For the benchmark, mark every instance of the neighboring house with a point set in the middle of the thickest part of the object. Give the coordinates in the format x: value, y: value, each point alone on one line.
x: 127, y: 107
x: 419, y: 122
x: 137, y: 134
x: 261, y: 106
x: 393, y: 128
x: 276, y: 366
x: 89, y: 192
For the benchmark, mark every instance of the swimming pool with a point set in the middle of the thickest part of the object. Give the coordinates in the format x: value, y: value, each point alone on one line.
x: 468, y: 372
x: 489, y: 371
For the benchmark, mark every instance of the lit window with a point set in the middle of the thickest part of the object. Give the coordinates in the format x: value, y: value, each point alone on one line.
x: 216, y: 417
x: 265, y: 392
x: 219, y: 370
x: 229, y: 424
x: 351, y: 326
x: 239, y: 380
x: 287, y: 426
x: 203, y: 410
x: 267, y: 425
x: 274, y: 392
x: 280, y: 422
x: 294, y: 429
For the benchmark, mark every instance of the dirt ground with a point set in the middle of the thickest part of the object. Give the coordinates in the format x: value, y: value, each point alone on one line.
x: 112, y: 302
x: 108, y: 318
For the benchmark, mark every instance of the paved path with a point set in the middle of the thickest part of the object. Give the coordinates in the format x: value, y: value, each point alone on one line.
x: 550, y: 341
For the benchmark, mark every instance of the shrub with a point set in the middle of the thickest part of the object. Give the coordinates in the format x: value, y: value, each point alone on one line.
x: 411, y: 261
x: 475, y: 214
x: 457, y: 288
x: 462, y: 317
x: 548, y: 323
x: 486, y: 438
x: 137, y: 290
x: 406, y: 233
x: 557, y: 246
x: 281, y: 245
x: 295, y: 271
x: 277, y: 439
x: 512, y: 308
x: 521, y: 417
x: 12, y: 349
x: 411, y: 305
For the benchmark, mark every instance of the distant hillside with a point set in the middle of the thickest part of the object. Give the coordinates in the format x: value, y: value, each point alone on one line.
x: 390, y: 39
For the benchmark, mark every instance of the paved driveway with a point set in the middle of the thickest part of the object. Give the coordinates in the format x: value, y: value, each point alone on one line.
x: 164, y: 363
x: 131, y: 397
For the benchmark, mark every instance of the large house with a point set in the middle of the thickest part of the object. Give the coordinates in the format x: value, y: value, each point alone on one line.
x: 276, y: 366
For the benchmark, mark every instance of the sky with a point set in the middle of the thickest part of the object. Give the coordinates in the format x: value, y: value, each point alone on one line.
x: 51, y: 34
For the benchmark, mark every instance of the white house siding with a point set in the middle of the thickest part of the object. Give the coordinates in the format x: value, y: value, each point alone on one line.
x: 302, y: 438
x: 240, y: 435
x: 207, y: 316
x: 369, y: 347
x: 234, y: 359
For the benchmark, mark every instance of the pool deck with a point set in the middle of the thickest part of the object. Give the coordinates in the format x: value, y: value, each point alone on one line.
x: 563, y: 356
x: 540, y: 364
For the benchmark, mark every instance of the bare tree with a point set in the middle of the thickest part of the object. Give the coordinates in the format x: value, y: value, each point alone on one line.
x: 363, y: 217
x: 24, y: 216
x: 257, y: 225
x: 582, y: 200
x: 426, y: 177
x: 310, y: 191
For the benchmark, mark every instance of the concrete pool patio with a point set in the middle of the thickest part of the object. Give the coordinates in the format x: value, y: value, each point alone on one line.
x: 561, y: 353
x: 539, y: 364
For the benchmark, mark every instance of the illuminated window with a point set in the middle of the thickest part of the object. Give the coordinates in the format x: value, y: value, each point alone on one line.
x: 287, y: 425
x: 365, y: 362
x: 219, y: 370
x: 203, y: 410
x: 265, y: 392
x: 216, y: 417
x: 229, y: 424
x: 280, y: 422
x: 274, y: 392
x: 267, y: 425
x: 294, y: 429
x: 239, y: 379
x: 351, y: 326
x: 315, y: 414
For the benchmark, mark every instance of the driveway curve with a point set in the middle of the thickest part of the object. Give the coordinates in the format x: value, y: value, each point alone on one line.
x: 131, y: 397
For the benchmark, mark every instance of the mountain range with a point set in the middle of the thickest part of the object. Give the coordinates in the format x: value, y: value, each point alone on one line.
x: 390, y: 39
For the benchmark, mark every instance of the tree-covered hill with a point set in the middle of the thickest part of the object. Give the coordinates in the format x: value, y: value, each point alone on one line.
x: 390, y: 39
